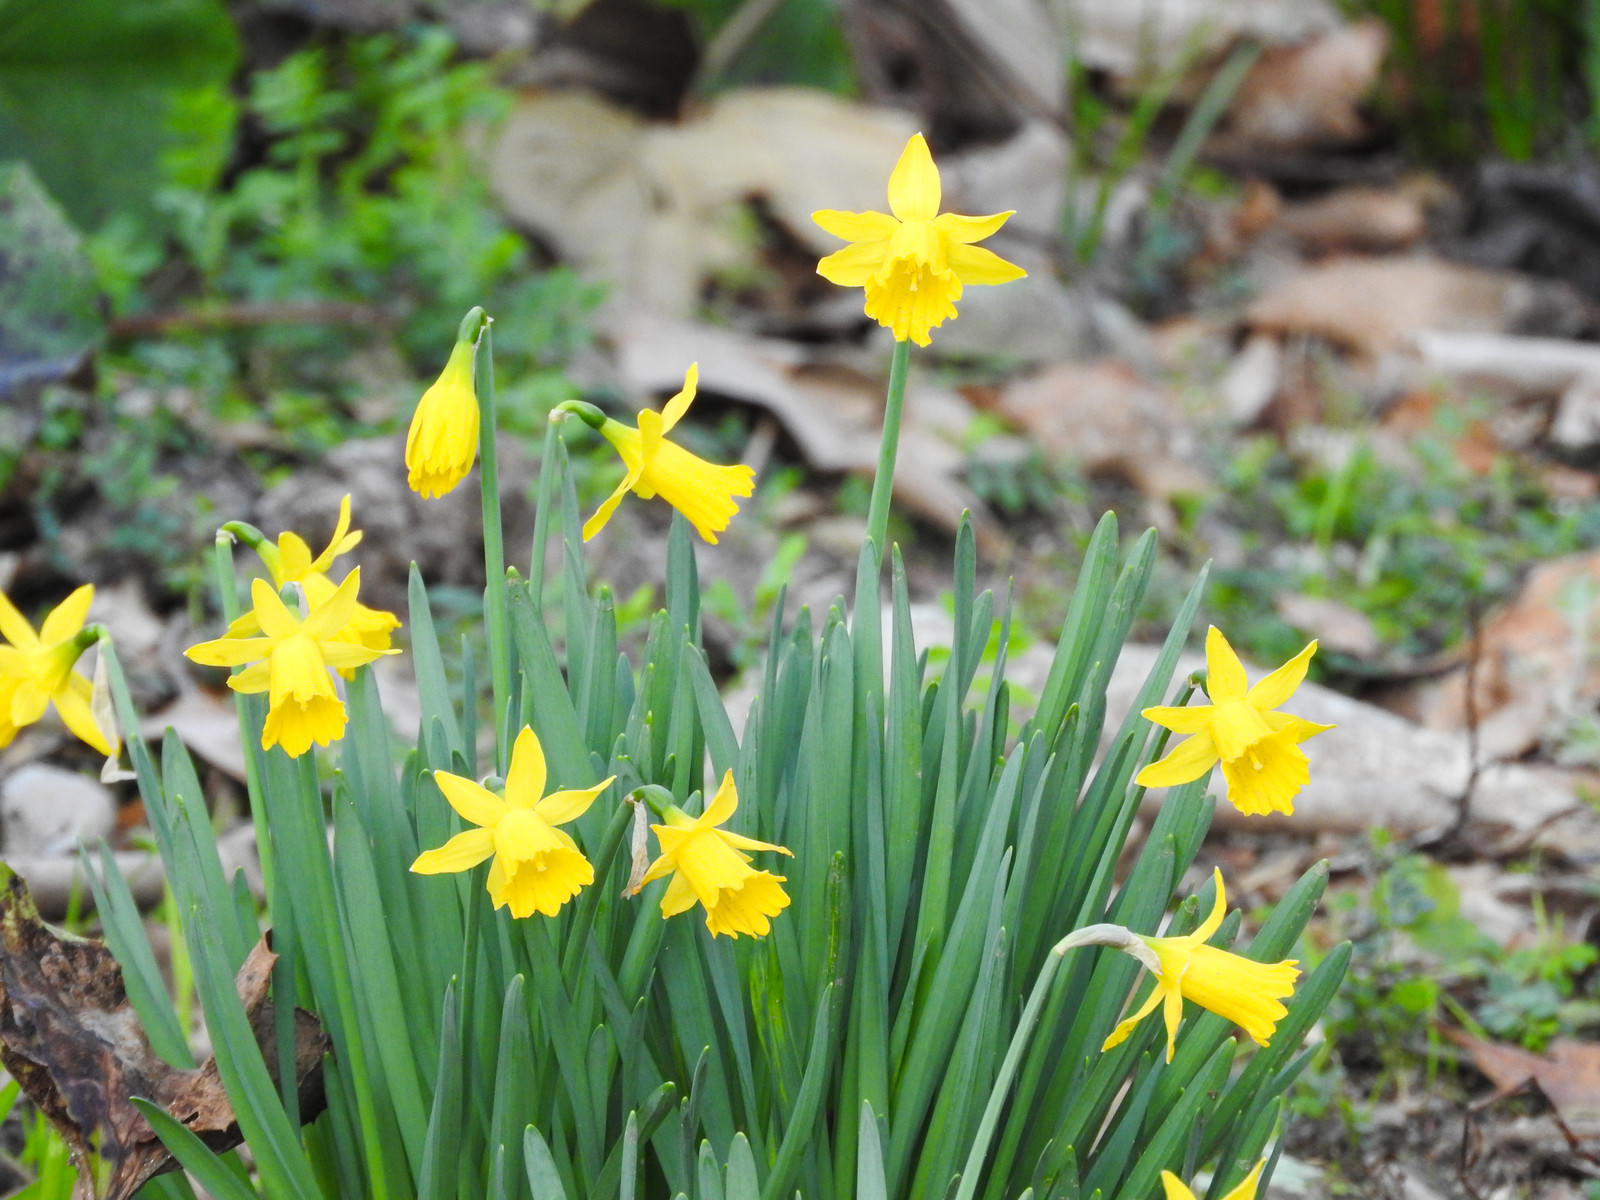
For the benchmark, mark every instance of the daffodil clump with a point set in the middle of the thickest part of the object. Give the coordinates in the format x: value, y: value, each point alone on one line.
x: 482, y: 982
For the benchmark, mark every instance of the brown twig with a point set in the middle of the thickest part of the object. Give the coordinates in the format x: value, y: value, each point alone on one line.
x: 317, y: 312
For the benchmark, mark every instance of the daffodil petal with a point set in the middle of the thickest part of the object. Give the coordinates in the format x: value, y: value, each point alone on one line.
x: 229, y: 652
x: 1121, y: 1032
x: 67, y: 618
x: 461, y: 853
x: 964, y: 230
x: 473, y: 801
x: 1225, y: 677
x: 723, y: 805
x: 72, y: 702
x: 914, y: 183
x: 1275, y: 688
x: 257, y: 677
x: 854, y: 265
x: 1190, y: 759
x: 679, y: 896
x: 608, y: 506
x: 1219, y: 909
x: 14, y: 626
x: 1191, y: 719
x: 1248, y: 1185
x: 856, y: 226
x: 1298, y: 728
x: 560, y: 807
x: 672, y: 412
x: 334, y: 613
x: 1175, y: 1187
x: 744, y: 843
x: 1171, y: 1013
x: 273, y: 614
x: 976, y: 266
x: 526, y: 779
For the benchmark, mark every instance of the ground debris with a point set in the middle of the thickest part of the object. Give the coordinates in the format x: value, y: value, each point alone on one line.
x: 70, y: 1037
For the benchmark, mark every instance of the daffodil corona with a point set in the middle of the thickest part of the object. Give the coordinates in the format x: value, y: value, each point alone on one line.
x: 702, y: 491
x: 36, y: 670
x: 537, y: 867
x: 290, y: 661
x: 915, y: 263
x: 1259, y: 748
x: 708, y: 865
x: 443, y: 439
x: 1243, y: 991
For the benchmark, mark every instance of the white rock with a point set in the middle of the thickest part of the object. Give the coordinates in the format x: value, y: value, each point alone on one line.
x: 46, y: 810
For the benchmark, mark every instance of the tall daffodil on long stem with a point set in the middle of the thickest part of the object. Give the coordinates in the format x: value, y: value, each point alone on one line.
x: 913, y: 264
x: 1259, y: 748
x: 1244, y: 991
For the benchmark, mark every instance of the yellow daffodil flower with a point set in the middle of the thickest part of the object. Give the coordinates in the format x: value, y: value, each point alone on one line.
x: 915, y: 263
x: 1240, y: 989
x: 36, y: 670
x: 291, y: 561
x: 702, y: 491
x: 443, y: 439
x: 1178, y: 1190
x: 1259, y: 749
x: 708, y: 866
x: 537, y: 867
x: 290, y: 662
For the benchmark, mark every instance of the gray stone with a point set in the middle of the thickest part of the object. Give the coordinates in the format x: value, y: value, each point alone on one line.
x: 46, y: 810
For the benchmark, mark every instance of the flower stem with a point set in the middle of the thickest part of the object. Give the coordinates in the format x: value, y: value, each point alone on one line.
x: 1092, y: 935
x: 494, y: 554
x: 541, y: 513
x: 249, y: 737
x: 883, y: 481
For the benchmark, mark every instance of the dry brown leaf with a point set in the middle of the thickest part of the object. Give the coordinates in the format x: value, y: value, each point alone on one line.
x: 1371, y: 305
x: 652, y: 209
x: 1532, y: 665
x: 1307, y: 96
x: 1355, y: 218
x: 1106, y: 417
x: 69, y: 1036
x: 1336, y: 626
x: 1568, y: 1074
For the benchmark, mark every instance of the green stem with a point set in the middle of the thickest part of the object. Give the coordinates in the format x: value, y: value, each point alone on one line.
x: 1092, y: 935
x: 249, y: 739
x: 541, y: 513
x: 883, y: 481
x: 128, y: 718
x: 494, y: 554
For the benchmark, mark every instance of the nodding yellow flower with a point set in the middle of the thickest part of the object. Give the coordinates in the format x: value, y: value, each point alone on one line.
x: 36, y: 670
x: 1259, y: 749
x: 291, y: 561
x: 290, y: 661
x: 1240, y: 989
x: 708, y: 866
x: 702, y: 491
x: 915, y: 263
x: 443, y: 439
x: 1178, y: 1190
x: 537, y: 867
